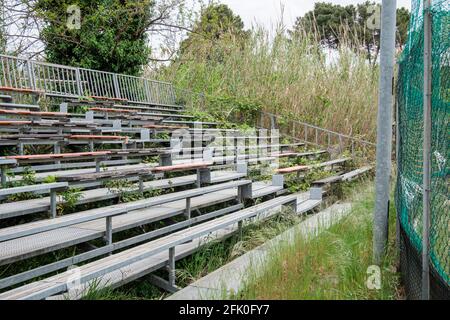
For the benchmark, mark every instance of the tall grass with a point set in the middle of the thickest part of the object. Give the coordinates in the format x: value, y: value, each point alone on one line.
x: 332, y: 265
x: 291, y: 76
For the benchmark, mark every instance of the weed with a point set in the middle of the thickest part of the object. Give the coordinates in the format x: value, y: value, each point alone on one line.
x: 68, y: 201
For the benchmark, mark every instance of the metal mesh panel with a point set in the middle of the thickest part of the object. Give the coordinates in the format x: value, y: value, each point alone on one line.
x: 410, y: 149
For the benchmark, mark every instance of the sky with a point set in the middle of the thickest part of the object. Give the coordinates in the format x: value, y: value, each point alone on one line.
x: 268, y: 12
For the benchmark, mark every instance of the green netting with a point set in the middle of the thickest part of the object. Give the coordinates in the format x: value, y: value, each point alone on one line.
x: 410, y: 122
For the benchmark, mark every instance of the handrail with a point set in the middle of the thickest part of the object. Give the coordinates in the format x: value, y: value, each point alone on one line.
x: 71, y: 82
x: 320, y: 136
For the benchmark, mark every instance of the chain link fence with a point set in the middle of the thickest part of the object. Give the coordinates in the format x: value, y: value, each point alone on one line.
x: 410, y: 153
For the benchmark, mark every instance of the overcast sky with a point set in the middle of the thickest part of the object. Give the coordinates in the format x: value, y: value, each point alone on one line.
x: 268, y: 12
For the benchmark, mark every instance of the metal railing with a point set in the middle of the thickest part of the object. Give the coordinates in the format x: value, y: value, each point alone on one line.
x: 65, y: 81
x: 317, y: 136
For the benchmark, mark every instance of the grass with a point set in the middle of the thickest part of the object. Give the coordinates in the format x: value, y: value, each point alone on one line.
x: 332, y: 266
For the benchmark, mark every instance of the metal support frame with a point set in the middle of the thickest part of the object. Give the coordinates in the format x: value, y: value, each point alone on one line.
x: 141, y: 185
x: 170, y: 285
x: 97, y: 165
x: 165, y: 160
x: 240, y: 229
x: 384, y: 135
x: 244, y: 192
x: 108, y: 233
x: 427, y: 92
x: 187, y: 212
x: 171, y: 267
x: 3, y: 175
x: 53, y: 204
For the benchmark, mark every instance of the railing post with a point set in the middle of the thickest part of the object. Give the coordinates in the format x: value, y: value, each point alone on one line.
x: 30, y: 75
x: 79, y: 84
x: 147, y: 91
x: 116, y: 86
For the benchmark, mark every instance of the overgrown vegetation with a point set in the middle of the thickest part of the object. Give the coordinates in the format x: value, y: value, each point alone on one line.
x: 68, y: 201
x: 332, y: 265
x: 28, y: 178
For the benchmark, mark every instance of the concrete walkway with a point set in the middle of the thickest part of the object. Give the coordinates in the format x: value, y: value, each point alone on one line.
x: 231, y: 277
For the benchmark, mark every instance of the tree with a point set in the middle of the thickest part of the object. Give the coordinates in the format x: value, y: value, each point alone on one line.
x: 217, y: 22
x: 112, y: 35
x: 333, y: 24
x: 2, y: 28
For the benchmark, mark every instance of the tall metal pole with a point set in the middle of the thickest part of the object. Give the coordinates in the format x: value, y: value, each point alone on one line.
x: 427, y: 78
x: 384, y: 134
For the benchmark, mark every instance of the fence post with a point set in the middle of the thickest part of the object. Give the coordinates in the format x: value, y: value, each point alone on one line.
x: 79, y: 84
x: 384, y: 128
x: 30, y: 75
x: 427, y: 78
x: 116, y: 86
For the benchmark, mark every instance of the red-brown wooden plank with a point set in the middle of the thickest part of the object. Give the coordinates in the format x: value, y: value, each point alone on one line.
x: 184, y: 166
x: 94, y: 137
x: 59, y: 155
x: 32, y: 113
x: 14, y: 123
x: 22, y: 90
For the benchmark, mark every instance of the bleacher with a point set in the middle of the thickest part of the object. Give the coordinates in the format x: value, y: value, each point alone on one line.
x: 190, y: 182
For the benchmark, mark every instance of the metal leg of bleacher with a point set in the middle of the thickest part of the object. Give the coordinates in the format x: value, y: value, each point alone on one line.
x: 187, y: 212
x: 171, y: 266
x: 203, y: 176
x: 141, y: 185
x: 57, y: 150
x: 240, y: 229
x: 170, y: 285
x: 53, y: 204
x: 108, y: 232
x: 97, y: 165
x: 244, y: 192
x: 3, y: 175
x: 165, y: 160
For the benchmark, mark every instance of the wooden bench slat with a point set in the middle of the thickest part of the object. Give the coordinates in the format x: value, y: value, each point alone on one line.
x: 22, y: 90
x: 95, y: 137
x: 60, y: 155
x: 33, y: 113
x: 14, y: 123
x: 184, y: 166
x: 18, y: 106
